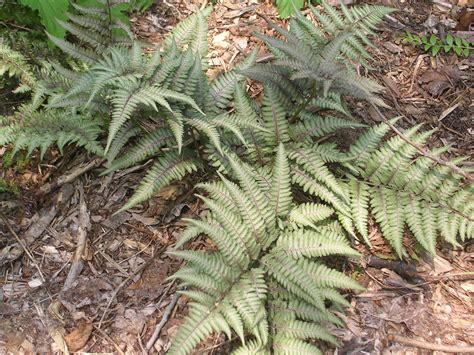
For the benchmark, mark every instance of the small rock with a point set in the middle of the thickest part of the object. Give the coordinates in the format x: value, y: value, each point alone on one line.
x: 35, y: 283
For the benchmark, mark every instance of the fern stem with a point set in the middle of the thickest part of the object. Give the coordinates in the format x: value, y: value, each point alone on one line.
x: 424, y: 151
x: 304, y: 104
x: 197, y: 146
x: 109, y: 12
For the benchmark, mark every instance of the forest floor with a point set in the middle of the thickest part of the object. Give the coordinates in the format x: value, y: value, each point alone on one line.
x: 122, y: 293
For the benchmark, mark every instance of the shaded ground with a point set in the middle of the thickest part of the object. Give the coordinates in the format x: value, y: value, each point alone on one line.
x: 122, y: 292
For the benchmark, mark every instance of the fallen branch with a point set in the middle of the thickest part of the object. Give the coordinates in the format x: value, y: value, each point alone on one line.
x: 435, y: 347
x: 64, y: 179
x: 163, y: 321
x: 77, y: 263
x: 424, y: 151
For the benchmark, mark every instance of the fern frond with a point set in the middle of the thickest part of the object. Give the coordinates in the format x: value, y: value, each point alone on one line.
x: 310, y: 213
x: 281, y: 184
x: 192, y: 32
x: 167, y: 168
x: 222, y: 88
x: 316, y: 126
x: 359, y: 195
x: 313, y: 244
x: 405, y: 189
x: 274, y: 118
x: 14, y: 63
x: 45, y: 128
x: 146, y: 147
x: 125, y: 101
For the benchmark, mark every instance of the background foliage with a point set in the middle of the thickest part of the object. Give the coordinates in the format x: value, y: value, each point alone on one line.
x: 47, y: 12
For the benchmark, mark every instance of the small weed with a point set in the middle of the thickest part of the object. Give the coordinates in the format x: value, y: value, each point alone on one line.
x: 434, y: 45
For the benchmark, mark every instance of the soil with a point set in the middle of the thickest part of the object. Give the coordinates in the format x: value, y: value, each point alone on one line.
x: 123, y: 292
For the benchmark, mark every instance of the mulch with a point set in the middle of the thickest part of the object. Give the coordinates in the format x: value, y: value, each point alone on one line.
x: 122, y: 293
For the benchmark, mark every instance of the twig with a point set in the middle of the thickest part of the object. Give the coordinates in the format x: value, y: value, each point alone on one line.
x: 424, y: 151
x: 47, y: 188
x: 303, y: 105
x: 108, y: 338
x: 435, y: 347
x: 77, y: 263
x: 163, y: 321
x: 124, y: 282
x: 23, y: 245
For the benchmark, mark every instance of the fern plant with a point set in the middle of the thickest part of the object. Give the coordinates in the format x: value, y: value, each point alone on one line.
x: 96, y: 27
x: 313, y: 63
x: 264, y: 282
x: 165, y: 100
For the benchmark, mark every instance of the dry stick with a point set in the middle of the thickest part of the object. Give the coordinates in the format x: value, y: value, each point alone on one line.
x: 124, y: 282
x: 108, y: 338
x: 435, y: 347
x: 163, y: 321
x: 64, y: 179
x: 23, y: 245
x: 424, y: 151
x: 77, y: 263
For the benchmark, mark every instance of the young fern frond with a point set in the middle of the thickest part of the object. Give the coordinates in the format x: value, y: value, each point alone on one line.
x: 192, y: 32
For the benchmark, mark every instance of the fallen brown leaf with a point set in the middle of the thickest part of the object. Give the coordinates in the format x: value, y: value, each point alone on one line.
x: 77, y: 339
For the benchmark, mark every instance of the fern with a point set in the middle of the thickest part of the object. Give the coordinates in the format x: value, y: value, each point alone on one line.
x: 167, y: 168
x: 30, y: 130
x: 97, y: 29
x: 14, y: 64
x: 404, y: 189
x: 322, y: 60
x: 229, y: 288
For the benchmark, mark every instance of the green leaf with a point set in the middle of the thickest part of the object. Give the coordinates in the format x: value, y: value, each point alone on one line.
x: 447, y: 48
x: 286, y: 8
x: 433, y: 39
x: 458, y: 41
x: 458, y: 50
x: 50, y: 11
x: 435, y: 50
x: 449, y: 39
x: 427, y: 46
x: 466, y: 52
